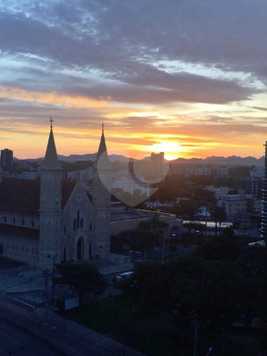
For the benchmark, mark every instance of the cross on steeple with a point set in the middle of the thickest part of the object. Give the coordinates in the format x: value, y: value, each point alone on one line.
x: 51, y: 122
x: 50, y: 160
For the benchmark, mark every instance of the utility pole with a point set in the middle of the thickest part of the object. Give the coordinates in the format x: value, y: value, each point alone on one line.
x: 196, y: 328
x: 165, y: 237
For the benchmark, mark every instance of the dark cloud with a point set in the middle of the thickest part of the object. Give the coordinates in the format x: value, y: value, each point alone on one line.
x: 18, y: 113
x: 158, y: 89
x: 23, y: 34
x: 113, y: 36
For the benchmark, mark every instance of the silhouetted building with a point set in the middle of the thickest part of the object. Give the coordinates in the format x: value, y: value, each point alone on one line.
x: 264, y: 201
x: 188, y: 169
x: 256, y: 181
x: 54, y: 219
x: 7, y: 160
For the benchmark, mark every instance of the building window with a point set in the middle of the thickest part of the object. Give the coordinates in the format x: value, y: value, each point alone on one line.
x: 90, y: 251
x: 14, y: 220
x: 74, y: 224
x: 80, y: 249
x: 81, y: 223
x: 78, y: 219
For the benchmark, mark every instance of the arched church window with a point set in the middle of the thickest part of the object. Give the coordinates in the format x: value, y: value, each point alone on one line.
x: 74, y: 224
x: 81, y: 223
x: 78, y: 219
x: 80, y: 249
x: 90, y: 251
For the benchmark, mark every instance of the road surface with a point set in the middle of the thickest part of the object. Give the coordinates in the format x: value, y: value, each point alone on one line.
x: 16, y: 341
x: 26, y: 332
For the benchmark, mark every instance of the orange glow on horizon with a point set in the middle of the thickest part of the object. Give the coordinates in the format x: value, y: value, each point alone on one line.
x: 171, y: 150
x: 133, y: 130
x: 85, y: 141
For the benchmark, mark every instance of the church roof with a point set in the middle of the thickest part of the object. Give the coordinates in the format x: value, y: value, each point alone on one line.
x: 17, y: 195
x: 102, y: 149
x: 67, y: 188
x: 51, y: 160
x: 23, y: 196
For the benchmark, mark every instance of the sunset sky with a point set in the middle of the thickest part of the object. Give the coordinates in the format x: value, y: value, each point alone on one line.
x: 188, y: 77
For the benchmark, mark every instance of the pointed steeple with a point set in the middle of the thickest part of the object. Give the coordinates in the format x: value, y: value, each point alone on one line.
x: 102, y: 149
x: 50, y: 160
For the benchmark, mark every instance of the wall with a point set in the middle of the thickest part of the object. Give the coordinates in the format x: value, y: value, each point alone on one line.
x: 20, y: 248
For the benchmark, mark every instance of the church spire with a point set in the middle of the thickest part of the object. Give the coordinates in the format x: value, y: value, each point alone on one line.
x: 102, y: 149
x: 50, y: 160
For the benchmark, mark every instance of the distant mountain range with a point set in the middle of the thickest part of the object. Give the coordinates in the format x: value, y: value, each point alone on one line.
x: 90, y: 157
x: 224, y: 161
x: 213, y: 160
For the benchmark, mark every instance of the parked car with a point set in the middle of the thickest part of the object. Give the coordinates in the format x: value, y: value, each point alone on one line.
x: 123, y: 279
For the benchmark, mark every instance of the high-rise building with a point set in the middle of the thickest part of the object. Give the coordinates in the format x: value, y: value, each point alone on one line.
x: 264, y: 201
x: 158, y: 166
x: 7, y: 160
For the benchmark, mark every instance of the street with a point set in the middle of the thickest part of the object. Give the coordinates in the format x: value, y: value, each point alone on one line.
x: 26, y: 332
x: 16, y: 341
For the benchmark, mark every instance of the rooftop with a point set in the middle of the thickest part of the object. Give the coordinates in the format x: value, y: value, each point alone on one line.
x: 23, y: 196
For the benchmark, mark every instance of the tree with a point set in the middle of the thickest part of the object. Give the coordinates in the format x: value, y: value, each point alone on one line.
x: 151, y: 286
x: 211, y: 288
x: 220, y: 248
x: 150, y: 234
x: 186, y: 208
x: 83, y: 277
x: 219, y: 216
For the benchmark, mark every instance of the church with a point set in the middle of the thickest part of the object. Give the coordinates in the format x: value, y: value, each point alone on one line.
x: 54, y: 218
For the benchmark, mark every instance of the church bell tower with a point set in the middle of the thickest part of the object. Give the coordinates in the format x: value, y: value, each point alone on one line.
x: 102, y: 198
x: 50, y: 206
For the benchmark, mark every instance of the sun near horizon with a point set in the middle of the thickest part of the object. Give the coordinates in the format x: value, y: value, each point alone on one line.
x: 163, y: 87
x: 31, y: 142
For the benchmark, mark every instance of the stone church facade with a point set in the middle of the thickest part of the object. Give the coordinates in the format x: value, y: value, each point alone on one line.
x: 54, y: 219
